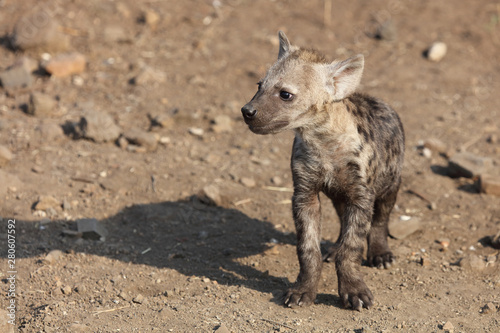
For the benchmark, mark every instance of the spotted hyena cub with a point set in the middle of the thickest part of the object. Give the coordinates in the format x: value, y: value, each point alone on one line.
x: 347, y: 145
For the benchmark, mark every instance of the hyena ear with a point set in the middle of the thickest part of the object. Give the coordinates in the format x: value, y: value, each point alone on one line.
x: 344, y: 76
x: 284, y: 44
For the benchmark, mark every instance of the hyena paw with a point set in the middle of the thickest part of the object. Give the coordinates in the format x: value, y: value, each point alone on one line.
x: 381, y: 260
x: 298, y: 297
x: 356, y: 296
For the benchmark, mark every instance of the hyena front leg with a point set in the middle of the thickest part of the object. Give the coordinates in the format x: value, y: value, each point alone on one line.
x: 355, y: 227
x: 306, y: 214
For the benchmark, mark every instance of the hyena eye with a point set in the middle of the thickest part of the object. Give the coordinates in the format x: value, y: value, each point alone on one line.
x: 285, y: 95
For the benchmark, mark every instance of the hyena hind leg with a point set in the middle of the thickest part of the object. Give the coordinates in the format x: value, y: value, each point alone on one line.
x: 379, y: 255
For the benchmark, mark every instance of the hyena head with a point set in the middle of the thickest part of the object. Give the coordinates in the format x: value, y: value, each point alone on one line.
x: 296, y: 87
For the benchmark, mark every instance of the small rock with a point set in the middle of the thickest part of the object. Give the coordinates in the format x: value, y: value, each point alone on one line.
x: 493, y: 138
x: 46, y: 202
x: 495, y: 240
x: 473, y: 263
x: 448, y: 327
x: 66, y: 290
x: 149, y: 75
x: 52, y: 257
x: 165, y: 120
x: 98, y: 126
x: 210, y: 194
x: 139, y: 299
x: 66, y: 64
x: 490, y: 184
x: 468, y: 165
x: 142, y: 138
x: 425, y: 261
x: 222, y: 124
x: 91, y: 229
x: 18, y: 75
x: 437, y: 51
x: 426, y: 152
x: 50, y: 131
x: 222, y: 329
x: 436, y: 145
x: 196, y: 131
x: 403, y: 227
x: 248, y: 182
x: 39, y: 30
x: 78, y: 328
x: 386, y: 31
x: 151, y: 18
x: 489, y: 308
x: 5, y: 156
x: 276, y: 180
x: 42, y: 105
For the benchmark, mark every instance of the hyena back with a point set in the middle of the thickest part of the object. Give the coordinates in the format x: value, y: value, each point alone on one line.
x: 347, y: 145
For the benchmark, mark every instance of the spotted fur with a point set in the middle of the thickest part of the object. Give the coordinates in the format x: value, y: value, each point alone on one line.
x: 349, y: 146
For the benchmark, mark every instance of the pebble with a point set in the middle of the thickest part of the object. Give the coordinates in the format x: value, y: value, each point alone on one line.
x: 149, y: 75
x: 488, y: 308
x: 66, y: 290
x: 30, y: 33
x: 142, y: 138
x: 276, y: 180
x: 490, y: 184
x: 448, y: 327
x: 222, y: 124
x: 45, y: 202
x: 50, y: 131
x: 18, y: 75
x: 81, y: 289
x: 98, y: 126
x: 437, y: 51
x: 404, y: 227
x: 473, y: 263
x: 222, y: 329
x: 196, y: 131
x: 116, y: 34
x: 248, y: 182
x: 5, y: 156
x: 91, y: 229
x: 66, y: 64
x: 436, y: 145
x: 52, y: 257
x: 426, y: 152
x: 210, y: 194
x: 139, y: 299
x: 386, y: 31
x: 151, y: 18
x: 493, y: 138
x: 41, y: 104
x: 468, y: 165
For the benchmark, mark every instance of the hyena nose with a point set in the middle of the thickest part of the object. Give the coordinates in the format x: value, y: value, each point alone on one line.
x: 248, y: 112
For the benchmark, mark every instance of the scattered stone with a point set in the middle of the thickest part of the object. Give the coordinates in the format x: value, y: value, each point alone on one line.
x: 42, y: 105
x: 122, y: 142
x: 91, y: 229
x: 468, y: 165
x: 50, y: 131
x: 495, y: 241
x: 5, y: 156
x: 151, y: 18
x: 142, y: 138
x: 98, y: 126
x: 222, y: 329
x: 248, y: 182
x: 149, y: 75
x: 52, y: 257
x: 445, y: 243
x: 426, y: 152
x: 164, y: 120
x: 4, y: 324
x: 490, y: 185
x: 116, y: 34
x: 45, y: 202
x: 437, y: 51
x: 66, y: 290
x: 18, y: 75
x: 386, y: 31
x: 493, y: 138
x: 404, y: 227
x: 425, y: 261
x: 139, y: 299
x: 489, y: 308
x: 222, y: 124
x: 473, y: 263
x: 39, y: 30
x: 66, y: 64
x: 448, y: 327
x: 210, y: 194
x: 436, y: 145
x: 196, y: 131
x: 276, y: 180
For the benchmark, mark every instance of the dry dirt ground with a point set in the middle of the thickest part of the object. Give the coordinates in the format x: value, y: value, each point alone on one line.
x: 173, y: 263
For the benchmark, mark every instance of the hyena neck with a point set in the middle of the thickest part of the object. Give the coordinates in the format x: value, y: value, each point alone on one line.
x: 332, y: 129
